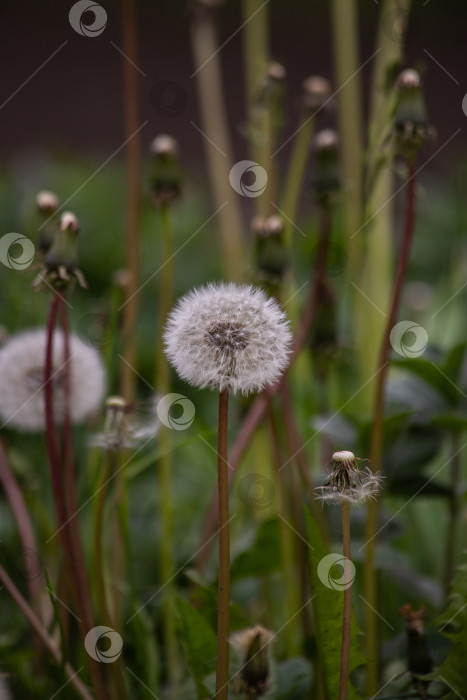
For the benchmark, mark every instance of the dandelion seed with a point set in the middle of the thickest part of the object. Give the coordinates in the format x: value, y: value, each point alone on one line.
x: 122, y: 429
x: 228, y: 337
x: 22, y: 361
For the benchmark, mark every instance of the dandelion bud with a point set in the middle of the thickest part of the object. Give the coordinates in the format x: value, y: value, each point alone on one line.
x: 420, y: 660
x: 348, y: 482
x: 252, y: 645
x: 69, y: 222
x: 166, y: 175
x: 326, y: 180
x: 228, y: 337
x: 61, y: 260
x: 47, y: 202
x: 316, y: 92
x: 270, y: 253
x: 411, y: 121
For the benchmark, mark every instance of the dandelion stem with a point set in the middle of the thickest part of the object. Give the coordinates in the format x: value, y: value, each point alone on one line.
x: 70, y: 537
x: 41, y: 632
x: 223, y: 609
x: 165, y: 447
x: 347, y: 616
x: 133, y: 151
x: 455, y: 509
x: 99, y: 556
x: 376, y: 443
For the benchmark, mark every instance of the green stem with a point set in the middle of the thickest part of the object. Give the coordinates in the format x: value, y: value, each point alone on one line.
x: 255, y: 47
x: 165, y: 462
x: 347, y: 615
x: 376, y: 444
x: 99, y: 555
x: 348, y: 83
x: 41, y: 632
x: 218, y: 146
x: 223, y: 609
x: 133, y: 151
x: 455, y: 510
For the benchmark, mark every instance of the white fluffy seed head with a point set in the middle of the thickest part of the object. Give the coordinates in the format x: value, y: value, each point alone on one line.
x: 47, y: 201
x: 22, y: 361
x: 343, y: 456
x: 228, y: 337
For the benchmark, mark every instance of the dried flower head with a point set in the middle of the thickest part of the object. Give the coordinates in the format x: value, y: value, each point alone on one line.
x: 166, y: 174
x: 228, y: 337
x: 252, y: 645
x: 348, y: 482
x: 22, y: 360
x: 61, y: 259
x: 122, y: 428
x: 316, y: 92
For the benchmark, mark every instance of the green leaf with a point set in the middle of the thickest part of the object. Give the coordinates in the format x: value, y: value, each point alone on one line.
x: 294, y: 678
x: 452, y: 422
x: 412, y: 451
x: 328, y: 606
x: 205, y: 599
x: 454, y: 362
x: 264, y: 556
x: 392, y: 426
x: 199, y: 642
x: 418, y: 484
x: 432, y: 375
x: 454, y: 626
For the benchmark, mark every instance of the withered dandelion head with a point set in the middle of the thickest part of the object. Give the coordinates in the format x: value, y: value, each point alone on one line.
x: 228, y: 337
x: 252, y: 645
x: 349, y: 482
x: 22, y: 361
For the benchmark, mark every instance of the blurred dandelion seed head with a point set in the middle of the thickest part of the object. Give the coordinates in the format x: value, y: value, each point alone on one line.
x: 252, y: 645
x: 228, y: 337
x: 124, y: 427
x: 22, y: 361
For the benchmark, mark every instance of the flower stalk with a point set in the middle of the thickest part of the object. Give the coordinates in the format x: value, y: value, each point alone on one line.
x: 347, y: 614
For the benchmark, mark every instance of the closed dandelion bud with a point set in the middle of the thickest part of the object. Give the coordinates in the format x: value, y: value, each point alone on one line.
x: 47, y: 205
x: 270, y: 253
x: 252, y: 645
x: 316, y: 92
x: 420, y: 660
x: 410, y: 119
x: 166, y: 174
x: 61, y: 260
x: 326, y: 180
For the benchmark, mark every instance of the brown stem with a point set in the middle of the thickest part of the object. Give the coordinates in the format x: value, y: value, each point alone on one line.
x: 376, y: 443
x: 70, y: 541
x: 347, y: 616
x: 133, y: 152
x: 259, y: 407
x: 41, y: 632
x: 223, y: 609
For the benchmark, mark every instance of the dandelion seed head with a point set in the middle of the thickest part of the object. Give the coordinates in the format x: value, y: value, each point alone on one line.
x: 349, y: 483
x: 22, y: 361
x: 252, y: 645
x: 343, y: 456
x: 228, y: 337
x: 47, y: 201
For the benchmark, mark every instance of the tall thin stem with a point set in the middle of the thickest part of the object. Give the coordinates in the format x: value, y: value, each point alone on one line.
x: 133, y: 151
x: 218, y: 147
x: 72, y: 550
x: 455, y: 510
x: 99, y: 555
x: 165, y: 461
x: 376, y: 443
x: 347, y: 616
x: 223, y: 609
x: 41, y: 632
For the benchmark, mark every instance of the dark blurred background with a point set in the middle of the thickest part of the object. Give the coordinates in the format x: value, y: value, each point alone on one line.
x: 73, y: 103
